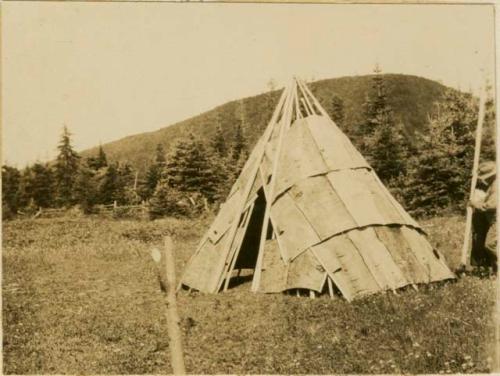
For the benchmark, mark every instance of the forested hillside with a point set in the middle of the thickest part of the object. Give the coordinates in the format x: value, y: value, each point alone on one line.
x: 410, y: 97
x: 416, y: 134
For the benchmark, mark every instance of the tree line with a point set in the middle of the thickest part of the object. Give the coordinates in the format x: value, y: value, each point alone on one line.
x: 428, y: 171
x: 190, y: 179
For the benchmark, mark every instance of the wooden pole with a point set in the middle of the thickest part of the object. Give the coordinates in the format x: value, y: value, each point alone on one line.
x: 465, y: 259
x: 166, y: 278
x: 285, y: 120
x: 308, y: 111
x: 306, y: 92
x: 330, y: 286
x: 234, y: 226
x: 297, y: 106
x: 243, y: 227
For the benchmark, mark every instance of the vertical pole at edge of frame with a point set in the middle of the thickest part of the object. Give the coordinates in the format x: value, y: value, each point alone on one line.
x: 465, y: 258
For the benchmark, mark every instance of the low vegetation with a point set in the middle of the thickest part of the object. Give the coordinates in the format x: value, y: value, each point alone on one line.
x: 80, y: 295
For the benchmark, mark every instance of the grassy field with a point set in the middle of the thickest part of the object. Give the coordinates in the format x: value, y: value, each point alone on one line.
x: 81, y: 296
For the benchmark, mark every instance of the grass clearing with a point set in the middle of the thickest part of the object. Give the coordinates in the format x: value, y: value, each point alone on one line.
x: 80, y: 295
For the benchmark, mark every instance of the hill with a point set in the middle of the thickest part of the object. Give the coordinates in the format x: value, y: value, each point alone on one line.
x: 411, y: 98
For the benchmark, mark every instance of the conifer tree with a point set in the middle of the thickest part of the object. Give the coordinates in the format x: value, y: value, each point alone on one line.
x: 66, y: 169
x: 167, y: 201
x: 111, y: 189
x: 155, y: 171
x: 126, y: 183
x: 239, y: 143
x: 190, y: 168
x: 388, y: 151
x: 160, y: 154
x: 381, y: 138
x: 86, y: 188
x: 376, y: 107
x: 488, y: 147
x: 337, y: 110
x: 41, y: 185
x: 218, y: 142
x: 11, y: 180
x: 440, y: 172
x: 25, y: 193
x: 99, y: 161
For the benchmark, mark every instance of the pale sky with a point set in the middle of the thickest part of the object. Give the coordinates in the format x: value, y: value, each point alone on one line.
x: 109, y: 70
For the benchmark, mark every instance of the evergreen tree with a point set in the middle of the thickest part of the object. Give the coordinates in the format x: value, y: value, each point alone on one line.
x: 100, y: 161
x: 167, y: 201
x: 111, y: 189
x: 440, y: 172
x: 488, y: 147
x: 224, y: 170
x: 155, y: 171
x: 337, y: 110
x: 66, y: 169
x: 191, y: 169
x: 11, y: 181
x: 388, y: 151
x: 382, y: 140
x: 160, y: 155
x: 239, y: 143
x: 218, y: 142
x: 126, y: 183
x: 25, y: 187
x: 376, y: 108
x: 86, y: 189
x: 41, y: 185
x: 152, y: 177
x: 141, y: 190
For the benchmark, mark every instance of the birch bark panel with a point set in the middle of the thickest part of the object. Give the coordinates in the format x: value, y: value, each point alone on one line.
x: 331, y: 143
x: 435, y: 267
x: 402, y: 253
x: 244, y: 177
x: 378, y: 258
x: 349, y: 185
x: 404, y: 214
x: 274, y: 269
x: 356, y: 272
x: 328, y: 258
x: 390, y: 212
x: 299, y: 158
x: 227, y: 214
x: 322, y: 206
x: 203, y: 267
x: 293, y: 229
x: 306, y: 272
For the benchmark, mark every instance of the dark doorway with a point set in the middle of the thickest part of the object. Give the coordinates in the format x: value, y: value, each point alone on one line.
x: 247, y: 257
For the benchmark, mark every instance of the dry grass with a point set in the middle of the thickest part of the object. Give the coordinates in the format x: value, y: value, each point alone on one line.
x: 81, y: 296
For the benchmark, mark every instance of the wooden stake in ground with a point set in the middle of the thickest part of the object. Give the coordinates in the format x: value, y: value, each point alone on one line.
x: 166, y: 276
x: 465, y: 259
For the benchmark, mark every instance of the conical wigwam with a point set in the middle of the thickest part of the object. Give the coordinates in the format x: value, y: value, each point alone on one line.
x: 308, y: 212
